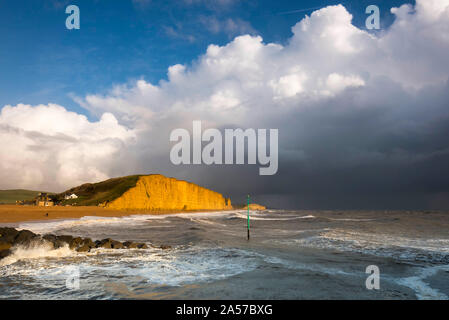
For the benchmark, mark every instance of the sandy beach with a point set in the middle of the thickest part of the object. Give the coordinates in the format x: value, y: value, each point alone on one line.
x: 15, y: 213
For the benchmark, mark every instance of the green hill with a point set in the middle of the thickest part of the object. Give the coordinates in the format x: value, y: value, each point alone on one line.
x: 92, y: 194
x: 11, y: 196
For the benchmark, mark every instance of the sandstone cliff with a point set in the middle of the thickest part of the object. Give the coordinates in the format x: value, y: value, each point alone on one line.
x: 157, y: 192
x: 255, y: 207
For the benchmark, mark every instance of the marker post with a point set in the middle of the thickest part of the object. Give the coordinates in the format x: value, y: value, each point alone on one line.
x: 248, y: 216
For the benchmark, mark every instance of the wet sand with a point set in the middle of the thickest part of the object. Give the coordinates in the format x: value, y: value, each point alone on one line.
x: 11, y: 214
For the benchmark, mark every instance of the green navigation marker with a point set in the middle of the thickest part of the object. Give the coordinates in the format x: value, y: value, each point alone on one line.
x: 248, y: 216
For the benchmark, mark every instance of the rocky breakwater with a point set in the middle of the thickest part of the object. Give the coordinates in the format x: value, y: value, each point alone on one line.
x: 157, y: 192
x: 11, y: 238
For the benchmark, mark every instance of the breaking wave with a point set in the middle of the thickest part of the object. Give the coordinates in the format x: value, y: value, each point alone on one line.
x: 36, y: 250
x: 401, y: 248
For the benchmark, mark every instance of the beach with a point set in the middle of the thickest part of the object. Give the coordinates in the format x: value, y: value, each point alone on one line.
x: 14, y: 214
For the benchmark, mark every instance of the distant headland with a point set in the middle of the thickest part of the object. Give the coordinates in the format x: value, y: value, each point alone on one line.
x: 122, y: 196
x: 153, y: 192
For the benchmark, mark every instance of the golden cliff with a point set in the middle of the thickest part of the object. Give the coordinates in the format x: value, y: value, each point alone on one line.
x: 255, y: 207
x: 157, y: 192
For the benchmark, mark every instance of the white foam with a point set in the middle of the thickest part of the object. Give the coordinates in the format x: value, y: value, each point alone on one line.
x: 191, y: 266
x: 422, y: 289
x: 43, y: 227
x: 351, y: 219
x: 209, y: 222
x: 302, y: 266
x: 280, y: 218
x: 35, y: 251
x: 431, y: 250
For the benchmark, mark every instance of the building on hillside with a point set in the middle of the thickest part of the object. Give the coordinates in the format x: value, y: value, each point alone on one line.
x: 70, y: 196
x: 43, y: 200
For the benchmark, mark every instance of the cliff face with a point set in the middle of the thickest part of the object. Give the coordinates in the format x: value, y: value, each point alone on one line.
x: 156, y: 192
x: 255, y: 207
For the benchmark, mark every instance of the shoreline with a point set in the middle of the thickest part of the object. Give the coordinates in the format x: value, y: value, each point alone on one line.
x: 15, y: 214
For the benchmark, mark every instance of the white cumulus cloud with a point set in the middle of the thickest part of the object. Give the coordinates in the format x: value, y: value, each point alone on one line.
x: 48, y: 147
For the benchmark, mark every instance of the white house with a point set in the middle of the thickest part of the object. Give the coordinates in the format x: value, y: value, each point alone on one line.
x: 72, y: 196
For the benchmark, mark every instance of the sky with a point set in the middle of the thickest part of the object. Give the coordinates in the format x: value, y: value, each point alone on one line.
x: 126, y: 40
x: 363, y: 115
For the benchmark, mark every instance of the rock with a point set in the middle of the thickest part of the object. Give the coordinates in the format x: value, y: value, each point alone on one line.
x: 165, y: 247
x: 54, y: 240
x: 130, y: 244
x: 117, y: 245
x: 142, y: 246
x: 50, y: 237
x: 105, y: 243
x: 109, y: 244
x: 25, y: 237
x: 75, y: 243
x: 83, y: 248
x: 127, y: 243
x: 255, y: 207
x: 65, y: 238
x: 8, y: 234
x: 5, y: 246
x: 4, y: 253
x: 88, y: 242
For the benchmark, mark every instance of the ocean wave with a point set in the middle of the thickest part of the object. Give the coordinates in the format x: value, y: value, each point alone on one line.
x: 422, y: 289
x: 177, y: 267
x: 280, y: 218
x: 208, y: 222
x: 351, y: 219
x: 52, y: 226
x: 41, y: 249
x: 303, y: 266
x: 401, y: 248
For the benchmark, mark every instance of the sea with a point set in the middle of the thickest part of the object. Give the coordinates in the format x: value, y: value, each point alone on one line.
x: 290, y: 255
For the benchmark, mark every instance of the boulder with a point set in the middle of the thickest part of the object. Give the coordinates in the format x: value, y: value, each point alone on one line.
x: 117, y: 245
x: 4, y: 253
x: 88, y: 242
x: 65, y: 238
x: 105, y: 243
x: 75, y: 243
x: 130, y: 245
x: 50, y: 237
x: 25, y: 237
x: 5, y: 246
x: 142, y: 246
x: 83, y: 248
x: 8, y: 234
x: 54, y: 240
